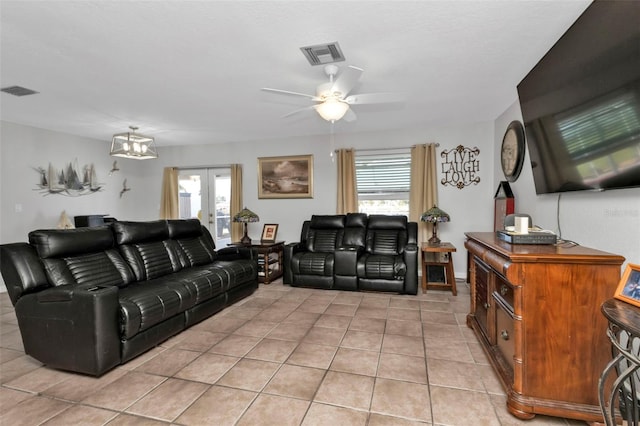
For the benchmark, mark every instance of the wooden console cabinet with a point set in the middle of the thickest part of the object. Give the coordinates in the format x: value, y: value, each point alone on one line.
x: 536, y: 312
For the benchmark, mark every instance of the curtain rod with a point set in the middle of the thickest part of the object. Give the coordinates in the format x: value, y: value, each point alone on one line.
x: 387, y: 149
x: 220, y: 166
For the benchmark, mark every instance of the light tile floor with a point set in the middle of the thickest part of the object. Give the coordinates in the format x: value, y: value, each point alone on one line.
x: 283, y: 356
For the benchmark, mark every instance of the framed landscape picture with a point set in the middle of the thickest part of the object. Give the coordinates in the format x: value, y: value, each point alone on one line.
x: 285, y: 177
x: 629, y: 288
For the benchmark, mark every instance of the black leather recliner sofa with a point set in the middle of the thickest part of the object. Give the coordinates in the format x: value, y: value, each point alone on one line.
x: 355, y: 252
x: 89, y: 299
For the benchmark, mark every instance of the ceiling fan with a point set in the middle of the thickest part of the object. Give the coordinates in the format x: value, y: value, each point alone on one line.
x: 333, y: 100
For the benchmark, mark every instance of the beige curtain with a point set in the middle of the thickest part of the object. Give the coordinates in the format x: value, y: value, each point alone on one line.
x: 424, y: 186
x: 169, y: 206
x: 236, y: 200
x: 347, y: 190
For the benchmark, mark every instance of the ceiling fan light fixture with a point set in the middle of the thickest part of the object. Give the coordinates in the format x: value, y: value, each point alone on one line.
x: 133, y: 145
x: 332, y: 109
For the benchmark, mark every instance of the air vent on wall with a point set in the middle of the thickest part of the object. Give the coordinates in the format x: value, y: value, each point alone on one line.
x: 321, y: 54
x: 18, y: 91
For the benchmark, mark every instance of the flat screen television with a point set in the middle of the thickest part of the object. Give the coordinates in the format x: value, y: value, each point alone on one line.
x: 581, y: 103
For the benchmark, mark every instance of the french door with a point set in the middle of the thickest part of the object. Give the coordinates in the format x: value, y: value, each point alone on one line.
x: 206, y: 194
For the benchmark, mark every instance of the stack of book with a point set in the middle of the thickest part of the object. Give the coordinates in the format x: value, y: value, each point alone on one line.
x: 272, y: 264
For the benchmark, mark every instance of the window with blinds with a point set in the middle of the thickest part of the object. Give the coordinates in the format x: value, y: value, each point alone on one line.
x: 383, y: 182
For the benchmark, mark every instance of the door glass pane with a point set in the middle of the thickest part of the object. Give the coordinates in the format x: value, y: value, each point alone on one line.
x: 189, y: 196
x: 223, y: 209
x: 205, y: 194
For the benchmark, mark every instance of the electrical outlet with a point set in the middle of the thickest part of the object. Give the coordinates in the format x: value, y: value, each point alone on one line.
x: 18, y: 208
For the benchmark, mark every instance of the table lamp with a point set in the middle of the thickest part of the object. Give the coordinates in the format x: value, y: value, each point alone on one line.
x: 245, y: 216
x: 434, y: 215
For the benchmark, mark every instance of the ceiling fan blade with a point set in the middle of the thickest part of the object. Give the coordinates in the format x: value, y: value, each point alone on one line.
x: 296, y: 111
x: 288, y: 92
x: 346, y: 80
x: 350, y: 116
x: 374, y: 98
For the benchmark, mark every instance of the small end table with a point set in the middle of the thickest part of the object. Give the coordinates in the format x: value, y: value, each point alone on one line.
x: 270, y: 259
x: 427, y: 260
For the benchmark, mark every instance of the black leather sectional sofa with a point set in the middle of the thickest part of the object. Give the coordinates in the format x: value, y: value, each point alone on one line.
x: 355, y: 252
x: 89, y: 299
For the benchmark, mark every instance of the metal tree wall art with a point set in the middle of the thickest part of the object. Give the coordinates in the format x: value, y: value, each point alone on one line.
x: 460, y: 166
x: 69, y: 181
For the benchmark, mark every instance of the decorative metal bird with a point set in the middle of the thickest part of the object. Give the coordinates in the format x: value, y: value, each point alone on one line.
x: 114, y: 168
x: 124, y: 188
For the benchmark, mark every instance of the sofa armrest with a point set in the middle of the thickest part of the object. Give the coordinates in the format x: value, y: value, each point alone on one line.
x: 289, y: 250
x: 66, y: 293
x: 236, y: 252
x: 72, y: 327
x: 411, y: 260
x: 357, y: 249
x: 346, y: 258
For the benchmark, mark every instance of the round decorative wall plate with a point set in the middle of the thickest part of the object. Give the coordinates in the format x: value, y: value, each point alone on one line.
x: 512, y: 151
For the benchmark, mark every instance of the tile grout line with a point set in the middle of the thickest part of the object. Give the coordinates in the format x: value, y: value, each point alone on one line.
x: 393, y: 306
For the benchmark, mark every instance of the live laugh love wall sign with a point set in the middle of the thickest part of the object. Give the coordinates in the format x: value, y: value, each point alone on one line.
x: 460, y: 167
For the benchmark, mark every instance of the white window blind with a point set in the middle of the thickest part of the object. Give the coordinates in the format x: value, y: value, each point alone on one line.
x: 383, y: 176
x: 383, y: 181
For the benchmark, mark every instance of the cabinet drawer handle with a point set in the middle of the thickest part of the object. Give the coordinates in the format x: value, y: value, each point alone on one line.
x: 504, y: 334
x: 486, y: 305
x: 504, y: 289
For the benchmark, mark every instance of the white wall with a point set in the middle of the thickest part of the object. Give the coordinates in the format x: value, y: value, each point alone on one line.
x: 608, y: 221
x: 24, y: 207
x: 25, y: 147
x: 470, y: 208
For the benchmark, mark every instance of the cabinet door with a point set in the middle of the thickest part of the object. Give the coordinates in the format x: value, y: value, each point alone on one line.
x: 482, y: 284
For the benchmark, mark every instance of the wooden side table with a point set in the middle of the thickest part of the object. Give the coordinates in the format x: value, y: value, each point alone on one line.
x: 434, y: 251
x: 270, y: 260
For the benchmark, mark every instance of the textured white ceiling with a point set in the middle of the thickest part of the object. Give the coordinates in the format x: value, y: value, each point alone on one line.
x: 190, y: 72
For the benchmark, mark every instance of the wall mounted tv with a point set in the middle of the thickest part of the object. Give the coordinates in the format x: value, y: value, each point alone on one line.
x: 581, y: 103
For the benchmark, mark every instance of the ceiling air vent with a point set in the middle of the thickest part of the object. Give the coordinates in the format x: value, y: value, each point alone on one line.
x: 18, y: 91
x: 321, y: 54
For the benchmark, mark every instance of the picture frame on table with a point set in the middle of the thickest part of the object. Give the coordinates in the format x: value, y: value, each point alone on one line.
x: 285, y: 177
x: 629, y: 287
x: 269, y: 232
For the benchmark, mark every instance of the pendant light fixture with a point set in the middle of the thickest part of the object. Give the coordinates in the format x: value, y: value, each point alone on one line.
x: 133, y: 145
